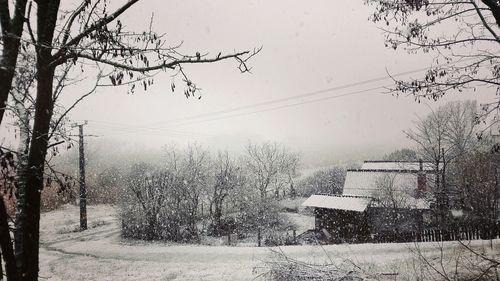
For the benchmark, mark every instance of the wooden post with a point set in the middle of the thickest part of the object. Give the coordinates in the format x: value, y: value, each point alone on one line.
x: 83, y: 191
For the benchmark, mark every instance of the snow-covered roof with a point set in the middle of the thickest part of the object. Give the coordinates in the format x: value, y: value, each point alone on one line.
x: 366, y: 183
x: 371, y: 183
x: 374, y: 182
x: 398, y: 165
x: 348, y: 203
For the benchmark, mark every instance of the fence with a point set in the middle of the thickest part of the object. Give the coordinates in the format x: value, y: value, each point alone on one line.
x: 434, y: 234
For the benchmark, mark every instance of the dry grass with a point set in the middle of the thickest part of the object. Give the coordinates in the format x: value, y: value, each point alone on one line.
x: 462, y: 261
x: 283, y: 268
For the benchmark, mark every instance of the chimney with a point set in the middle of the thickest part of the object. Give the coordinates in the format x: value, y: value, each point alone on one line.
x: 421, y: 181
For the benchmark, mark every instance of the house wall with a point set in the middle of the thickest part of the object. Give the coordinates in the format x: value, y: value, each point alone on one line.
x: 342, y: 226
x: 391, y: 220
x: 375, y: 222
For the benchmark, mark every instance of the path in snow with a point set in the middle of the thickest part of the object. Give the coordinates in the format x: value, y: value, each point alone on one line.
x: 100, y: 254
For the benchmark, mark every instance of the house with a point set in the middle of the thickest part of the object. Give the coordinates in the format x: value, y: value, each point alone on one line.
x: 381, y: 199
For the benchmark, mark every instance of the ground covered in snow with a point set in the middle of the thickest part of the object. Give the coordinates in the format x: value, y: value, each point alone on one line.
x: 99, y: 253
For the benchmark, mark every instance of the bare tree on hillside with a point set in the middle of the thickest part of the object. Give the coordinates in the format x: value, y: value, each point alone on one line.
x: 404, y: 154
x: 164, y: 200
x: 194, y: 170
x: 475, y: 176
x: 269, y: 165
x: 444, y: 135
x: 227, y: 177
x: 150, y: 190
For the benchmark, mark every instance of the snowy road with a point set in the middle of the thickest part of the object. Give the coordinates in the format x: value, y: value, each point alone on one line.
x: 100, y: 254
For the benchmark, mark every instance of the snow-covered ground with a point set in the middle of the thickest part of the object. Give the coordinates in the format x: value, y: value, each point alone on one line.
x: 100, y: 254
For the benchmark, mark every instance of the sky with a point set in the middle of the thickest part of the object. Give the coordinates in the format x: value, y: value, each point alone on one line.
x: 309, y: 87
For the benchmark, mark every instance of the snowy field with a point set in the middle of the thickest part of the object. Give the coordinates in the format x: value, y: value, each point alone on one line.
x: 100, y: 254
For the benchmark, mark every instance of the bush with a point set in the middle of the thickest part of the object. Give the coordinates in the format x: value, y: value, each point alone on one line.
x: 53, y: 197
x: 166, y: 225
x: 227, y: 226
x: 264, y: 215
x: 279, y: 238
x: 328, y: 181
x: 161, y: 203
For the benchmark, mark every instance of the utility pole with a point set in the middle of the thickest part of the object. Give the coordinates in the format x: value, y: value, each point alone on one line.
x: 83, y: 191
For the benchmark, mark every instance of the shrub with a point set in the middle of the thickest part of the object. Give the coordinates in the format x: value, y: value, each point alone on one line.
x: 329, y: 181
x: 279, y: 238
x: 283, y: 268
x: 264, y: 215
x: 227, y: 225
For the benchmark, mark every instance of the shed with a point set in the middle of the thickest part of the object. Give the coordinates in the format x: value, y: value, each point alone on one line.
x: 366, y: 208
x: 341, y: 217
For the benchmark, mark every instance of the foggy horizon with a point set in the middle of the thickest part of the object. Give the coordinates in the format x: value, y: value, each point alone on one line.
x: 317, y: 85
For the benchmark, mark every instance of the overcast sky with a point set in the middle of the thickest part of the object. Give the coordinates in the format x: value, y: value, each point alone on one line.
x: 308, y: 46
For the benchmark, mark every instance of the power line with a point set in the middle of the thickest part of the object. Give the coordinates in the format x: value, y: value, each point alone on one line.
x: 309, y: 94
x: 202, y: 117
x: 279, y: 107
x: 121, y: 127
x: 299, y: 96
x: 144, y: 130
x: 257, y: 111
x: 157, y: 129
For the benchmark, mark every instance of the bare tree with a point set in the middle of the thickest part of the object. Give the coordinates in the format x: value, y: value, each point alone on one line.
x: 24, y: 102
x: 475, y: 176
x: 404, y: 154
x: 150, y: 190
x: 227, y: 177
x: 194, y: 169
x: 62, y: 38
x: 462, y: 36
x: 393, y: 197
x: 269, y: 165
x: 452, y: 127
x: 164, y: 200
x: 441, y: 137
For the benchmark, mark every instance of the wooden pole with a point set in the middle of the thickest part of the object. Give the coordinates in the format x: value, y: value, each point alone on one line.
x: 83, y: 191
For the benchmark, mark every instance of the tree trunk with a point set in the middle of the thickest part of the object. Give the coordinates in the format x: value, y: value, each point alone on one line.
x: 22, y: 164
x: 10, y: 51
x: 27, y: 235
x: 192, y: 229
x: 217, y: 215
x: 28, y: 218
x: 6, y: 244
x: 494, y: 7
x: 6, y: 76
x: 150, y: 231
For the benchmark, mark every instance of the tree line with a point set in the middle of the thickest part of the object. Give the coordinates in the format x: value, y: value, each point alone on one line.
x: 192, y: 191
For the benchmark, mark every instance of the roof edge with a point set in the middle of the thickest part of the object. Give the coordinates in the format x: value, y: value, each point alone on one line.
x: 397, y: 161
x: 391, y: 170
x: 342, y: 195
